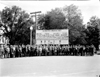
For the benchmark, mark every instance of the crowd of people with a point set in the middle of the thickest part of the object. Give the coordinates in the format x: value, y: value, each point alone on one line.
x: 13, y: 51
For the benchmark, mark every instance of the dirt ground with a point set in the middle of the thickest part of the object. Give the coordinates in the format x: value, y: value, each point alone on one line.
x: 51, y: 66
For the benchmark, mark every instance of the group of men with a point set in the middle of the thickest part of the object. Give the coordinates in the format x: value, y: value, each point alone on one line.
x: 12, y: 51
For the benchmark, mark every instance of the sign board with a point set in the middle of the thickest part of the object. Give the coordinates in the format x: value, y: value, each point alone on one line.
x: 52, y: 36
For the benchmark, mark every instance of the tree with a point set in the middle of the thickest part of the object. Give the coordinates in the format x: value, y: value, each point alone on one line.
x: 93, y: 31
x: 74, y: 22
x: 16, y: 24
x: 54, y: 19
x: 68, y: 17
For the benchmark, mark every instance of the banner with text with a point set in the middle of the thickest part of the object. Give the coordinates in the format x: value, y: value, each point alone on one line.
x: 46, y: 36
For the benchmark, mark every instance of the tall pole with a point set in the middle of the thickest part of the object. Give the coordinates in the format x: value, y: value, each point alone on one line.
x: 35, y: 28
x: 35, y: 22
x: 31, y: 28
x: 30, y: 37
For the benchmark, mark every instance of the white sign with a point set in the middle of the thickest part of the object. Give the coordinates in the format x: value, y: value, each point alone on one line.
x: 52, y: 36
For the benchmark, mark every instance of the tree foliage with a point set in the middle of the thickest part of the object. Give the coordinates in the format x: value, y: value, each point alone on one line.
x: 16, y: 24
x: 75, y: 25
x: 54, y: 19
x: 93, y: 31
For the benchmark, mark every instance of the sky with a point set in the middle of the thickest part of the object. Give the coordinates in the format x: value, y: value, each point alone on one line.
x: 88, y: 8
